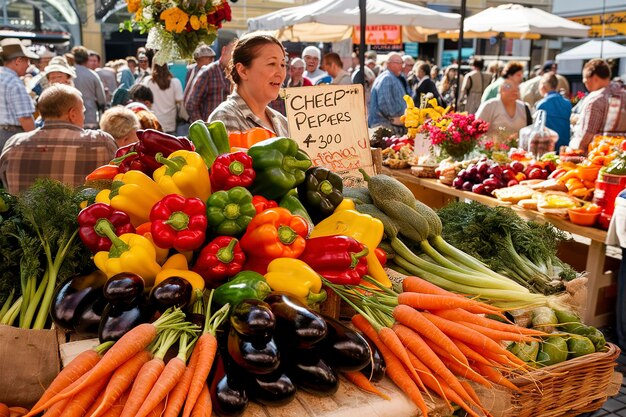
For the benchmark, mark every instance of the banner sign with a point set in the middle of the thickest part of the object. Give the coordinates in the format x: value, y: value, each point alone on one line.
x: 614, y: 24
x: 328, y: 122
x: 378, y: 35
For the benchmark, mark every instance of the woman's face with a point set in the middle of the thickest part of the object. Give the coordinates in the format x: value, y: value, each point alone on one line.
x: 266, y: 72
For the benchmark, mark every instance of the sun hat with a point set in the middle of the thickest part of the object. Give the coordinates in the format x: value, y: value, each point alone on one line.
x: 297, y: 63
x: 312, y: 51
x: 59, y: 64
x: 203, y: 51
x: 13, y: 48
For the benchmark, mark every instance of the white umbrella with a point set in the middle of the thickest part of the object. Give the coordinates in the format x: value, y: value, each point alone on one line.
x: 333, y: 20
x: 594, y: 49
x: 515, y: 20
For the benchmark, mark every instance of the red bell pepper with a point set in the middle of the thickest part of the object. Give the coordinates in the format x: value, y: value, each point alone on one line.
x: 381, y: 255
x: 96, y: 213
x: 179, y: 222
x: 261, y: 203
x: 231, y: 170
x: 339, y: 259
x: 222, y: 258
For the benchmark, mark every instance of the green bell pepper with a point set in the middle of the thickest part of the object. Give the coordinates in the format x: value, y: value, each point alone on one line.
x: 201, y: 138
x: 321, y: 192
x: 229, y: 212
x: 279, y: 165
x: 246, y: 284
x: 291, y: 202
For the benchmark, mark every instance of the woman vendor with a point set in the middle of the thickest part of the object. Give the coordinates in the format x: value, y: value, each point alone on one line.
x: 258, y: 69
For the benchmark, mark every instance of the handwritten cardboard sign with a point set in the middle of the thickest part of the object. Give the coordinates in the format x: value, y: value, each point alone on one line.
x: 328, y: 122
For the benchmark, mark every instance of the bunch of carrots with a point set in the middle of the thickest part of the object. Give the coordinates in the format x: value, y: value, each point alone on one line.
x: 130, y: 378
x: 429, y: 337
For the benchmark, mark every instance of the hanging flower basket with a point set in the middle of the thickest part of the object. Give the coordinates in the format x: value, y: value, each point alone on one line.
x: 176, y: 27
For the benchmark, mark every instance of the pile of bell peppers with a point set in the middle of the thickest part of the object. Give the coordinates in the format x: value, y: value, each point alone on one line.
x: 209, y: 215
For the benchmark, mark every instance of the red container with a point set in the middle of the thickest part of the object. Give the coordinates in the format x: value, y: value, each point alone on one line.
x: 608, y: 186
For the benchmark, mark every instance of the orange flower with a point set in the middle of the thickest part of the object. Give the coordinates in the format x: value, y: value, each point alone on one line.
x: 133, y: 5
x: 203, y: 21
x: 175, y: 19
x: 194, y: 22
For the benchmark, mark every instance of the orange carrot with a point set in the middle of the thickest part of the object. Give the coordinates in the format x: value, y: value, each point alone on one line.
x: 463, y: 333
x: 79, y: 366
x: 416, y: 284
x: 395, y: 369
x: 176, y: 399
x: 494, y: 375
x: 203, y: 408
x: 361, y: 381
x: 415, y: 320
x: 18, y: 411
x: 499, y: 335
x: 158, y: 410
x: 444, y: 302
x: 120, y: 381
x: 469, y: 352
x: 391, y: 340
x: 118, y: 407
x: 470, y: 391
x: 416, y: 344
x: 499, y: 358
x: 462, y: 315
x: 206, y: 348
x: 466, y: 372
x: 81, y: 402
x: 168, y: 379
x: 443, y: 389
x: 133, y: 342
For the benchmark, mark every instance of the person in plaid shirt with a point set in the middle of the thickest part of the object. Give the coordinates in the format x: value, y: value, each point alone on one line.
x: 61, y: 149
x: 210, y: 87
x: 604, y: 108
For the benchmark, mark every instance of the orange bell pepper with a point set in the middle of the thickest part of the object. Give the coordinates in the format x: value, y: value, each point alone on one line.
x: 274, y: 233
x: 573, y: 184
x: 249, y: 137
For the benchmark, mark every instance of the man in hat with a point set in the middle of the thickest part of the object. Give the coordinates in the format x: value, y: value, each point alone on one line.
x: 203, y: 55
x: 312, y: 56
x: 16, y: 111
x: 210, y: 86
x: 144, y: 68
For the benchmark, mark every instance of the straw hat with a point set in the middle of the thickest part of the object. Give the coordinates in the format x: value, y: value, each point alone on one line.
x: 13, y: 48
x: 59, y: 64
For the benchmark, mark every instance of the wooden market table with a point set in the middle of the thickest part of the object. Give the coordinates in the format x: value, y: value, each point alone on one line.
x: 435, y: 194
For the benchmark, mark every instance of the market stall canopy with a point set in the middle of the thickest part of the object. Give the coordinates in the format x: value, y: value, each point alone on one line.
x: 517, y: 21
x: 333, y: 20
x: 594, y: 49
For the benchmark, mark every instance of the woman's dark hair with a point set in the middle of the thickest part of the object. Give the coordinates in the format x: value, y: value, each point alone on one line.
x: 161, y: 75
x: 140, y: 92
x: 478, y: 63
x: 511, y: 68
x: 245, y: 50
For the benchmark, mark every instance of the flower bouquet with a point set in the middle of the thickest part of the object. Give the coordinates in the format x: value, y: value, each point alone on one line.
x: 176, y: 27
x: 457, y: 134
x: 414, y: 117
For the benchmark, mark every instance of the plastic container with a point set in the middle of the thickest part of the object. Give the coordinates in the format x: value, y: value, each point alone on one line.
x: 582, y: 218
x: 608, y: 186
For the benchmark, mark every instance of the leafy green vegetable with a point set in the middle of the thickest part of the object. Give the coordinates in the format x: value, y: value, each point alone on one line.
x: 40, y: 242
x: 524, y: 251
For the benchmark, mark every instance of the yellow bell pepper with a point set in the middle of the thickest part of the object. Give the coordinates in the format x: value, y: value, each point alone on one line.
x: 346, y: 204
x: 362, y: 227
x: 176, y: 266
x: 129, y: 253
x: 295, y: 277
x: 184, y: 173
x: 134, y: 193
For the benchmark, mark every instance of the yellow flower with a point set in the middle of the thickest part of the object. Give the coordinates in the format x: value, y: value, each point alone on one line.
x: 203, y: 21
x: 175, y: 19
x: 194, y: 22
x: 133, y: 5
x: 139, y: 15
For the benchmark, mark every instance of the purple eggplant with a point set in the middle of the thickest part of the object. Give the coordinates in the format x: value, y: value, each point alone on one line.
x: 172, y: 291
x: 256, y: 357
x: 253, y: 320
x: 73, y: 297
x: 117, y: 320
x: 123, y: 289
x: 296, y: 325
x: 343, y: 348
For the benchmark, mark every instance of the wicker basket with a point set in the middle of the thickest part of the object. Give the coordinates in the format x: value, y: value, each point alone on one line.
x: 567, y: 389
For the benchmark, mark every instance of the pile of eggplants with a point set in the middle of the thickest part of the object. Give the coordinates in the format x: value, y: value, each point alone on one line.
x: 272, y: 348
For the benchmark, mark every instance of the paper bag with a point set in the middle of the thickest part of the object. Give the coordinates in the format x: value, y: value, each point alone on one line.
x: 29, y: 361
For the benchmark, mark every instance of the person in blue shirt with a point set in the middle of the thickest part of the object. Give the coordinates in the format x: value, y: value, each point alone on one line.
x: 387, y: 97
x: 558, y: 109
